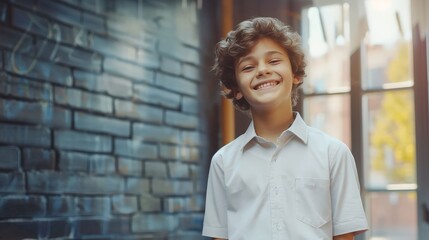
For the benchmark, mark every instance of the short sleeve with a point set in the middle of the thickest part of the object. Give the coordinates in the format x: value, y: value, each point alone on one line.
x: 347, y: 210
x: 215, y: 217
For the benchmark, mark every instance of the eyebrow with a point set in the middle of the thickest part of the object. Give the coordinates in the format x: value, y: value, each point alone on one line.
x: 266, y: 54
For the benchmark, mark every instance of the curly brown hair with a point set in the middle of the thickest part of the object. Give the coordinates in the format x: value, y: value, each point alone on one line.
x: 241, y: 39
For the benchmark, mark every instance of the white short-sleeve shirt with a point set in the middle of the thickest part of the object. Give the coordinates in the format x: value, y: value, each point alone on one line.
x: 304, y: 186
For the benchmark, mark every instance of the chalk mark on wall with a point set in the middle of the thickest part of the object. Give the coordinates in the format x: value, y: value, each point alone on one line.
x: 53, y: 32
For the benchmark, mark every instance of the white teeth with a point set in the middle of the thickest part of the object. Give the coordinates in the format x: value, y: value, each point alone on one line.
x: 265, y: 85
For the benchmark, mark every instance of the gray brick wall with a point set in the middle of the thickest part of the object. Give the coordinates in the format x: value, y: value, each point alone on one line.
x: 108, y: 118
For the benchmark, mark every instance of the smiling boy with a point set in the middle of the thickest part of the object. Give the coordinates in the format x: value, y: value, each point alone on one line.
x: 281, y: 179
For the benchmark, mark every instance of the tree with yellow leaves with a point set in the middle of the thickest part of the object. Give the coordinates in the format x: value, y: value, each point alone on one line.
x: 393, y: 136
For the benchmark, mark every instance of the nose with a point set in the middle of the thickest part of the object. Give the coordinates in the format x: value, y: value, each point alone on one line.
x: 263, y: 69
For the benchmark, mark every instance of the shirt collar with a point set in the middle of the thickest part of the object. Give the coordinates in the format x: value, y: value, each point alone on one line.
x: 298, y: 128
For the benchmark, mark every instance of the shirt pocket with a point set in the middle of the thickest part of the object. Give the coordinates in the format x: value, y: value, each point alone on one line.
x: 313, y: 201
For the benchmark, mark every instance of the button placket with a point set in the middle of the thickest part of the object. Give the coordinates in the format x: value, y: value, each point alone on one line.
x: 277, y: 208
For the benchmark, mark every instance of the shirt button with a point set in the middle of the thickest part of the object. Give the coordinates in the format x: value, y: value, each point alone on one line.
x: 279, y: 226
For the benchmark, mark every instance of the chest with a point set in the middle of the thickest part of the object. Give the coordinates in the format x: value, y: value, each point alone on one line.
x: 253, y: 171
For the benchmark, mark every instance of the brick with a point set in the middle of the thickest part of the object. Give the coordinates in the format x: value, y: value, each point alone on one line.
x: 105, y: 83
x: 93, y: 6
x: 196, y: 172
x: 61, y: 206
x: 149, y: 94
x: 12, y: 182
x: 178, y: 170
x: 191, y: 138
x: 35, y: 112
x: 174, y: 152
x: 102, y: 164
x: 25, y: 135
x: 38, y: 159
x: 137, y: 111
x: 94, y: 23
x: 60, y: 12
x: 191, y: 221
x: 69, y: 56
x: 113, y: 48
x: 136, y: 186
x: 83, y: 100
x: 190, y: 105
x: 187, y: 235
x: 22, y: 206
x: 39, y: 69
x: 154, y: 133
x: 195, y: 203
x: 135, y: 149
x: 71, y: 140
x: 128, y: 70
x: 176, y: 84
x: 10, y: 157
x: 133, y: 32
x: 154, y: 223
x: 65, y: 183
x: 93, y: 206
x: 176, y: 50
x: 124, y: 204
x: 31, y: 229
x: 73, y: 161
x: 194, y: 34
x: 74, y: 36
x: 190, y: 55
x: 22, y: 88
x: 149, y: 203
x: 171, y: 66
x: 101, y: 227
x: 170, y: 47
x: 170, y: 152
x: 24, y: 3
x: 182, y: 120
x: 165, y: 187
x: 191, y: 72
x: 99, y: 124
x: 31, y: 23
x: 174, y: 205
x: 10, y: 38
x: 190, y: 154
x: 155, y: 169
x: 130, y: 167
x: 148, y: 59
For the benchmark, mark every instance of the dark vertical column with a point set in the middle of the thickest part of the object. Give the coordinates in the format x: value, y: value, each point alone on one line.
x: 356, y: 111
x: 357, y: 117
x: 422, y: 130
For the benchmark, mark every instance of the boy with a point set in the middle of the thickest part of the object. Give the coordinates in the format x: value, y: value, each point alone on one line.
x: 281, y: 179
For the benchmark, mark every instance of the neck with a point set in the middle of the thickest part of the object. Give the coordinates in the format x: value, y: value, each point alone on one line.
x: 270, y: 124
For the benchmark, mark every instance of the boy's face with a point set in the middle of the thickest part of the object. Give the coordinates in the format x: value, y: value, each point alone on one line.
x: 264, y: 76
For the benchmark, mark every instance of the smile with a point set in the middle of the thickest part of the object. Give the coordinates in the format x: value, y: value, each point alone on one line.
x: 266, y: 85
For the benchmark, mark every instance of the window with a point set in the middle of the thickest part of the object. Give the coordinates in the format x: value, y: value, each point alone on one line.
x: 387, y: 136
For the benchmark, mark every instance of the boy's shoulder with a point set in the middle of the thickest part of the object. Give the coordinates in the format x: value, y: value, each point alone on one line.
x: 233, y: 146
x: 321, y: 138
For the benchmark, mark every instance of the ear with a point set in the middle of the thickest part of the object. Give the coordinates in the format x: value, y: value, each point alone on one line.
x: 238, y: 95
x: 296, y: 80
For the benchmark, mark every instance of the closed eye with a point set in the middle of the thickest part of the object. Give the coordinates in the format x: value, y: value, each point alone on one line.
x: 275, y: 61
x: 247, y: 68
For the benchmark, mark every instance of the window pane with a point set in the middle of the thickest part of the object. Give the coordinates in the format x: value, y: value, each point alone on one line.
x: 389, y: 139
x: 388, y: 44
x: 326, y: 40
x: 392, y: 215
x: 330, y: 114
